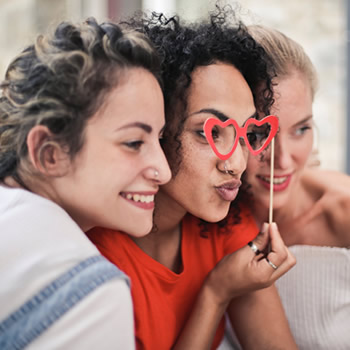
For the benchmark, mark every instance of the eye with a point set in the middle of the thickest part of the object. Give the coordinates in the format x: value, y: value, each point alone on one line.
x: 215, y: 133
x: 302, y: 130
x: 134, y: 145
x: 257, y: 136
x: 201, y: 134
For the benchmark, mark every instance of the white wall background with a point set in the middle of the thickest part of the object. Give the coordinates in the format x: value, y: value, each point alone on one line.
x: 319, y: 25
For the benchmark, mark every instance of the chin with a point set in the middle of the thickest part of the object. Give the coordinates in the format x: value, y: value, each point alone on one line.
x: 140, y: 230
x: 215, y: 217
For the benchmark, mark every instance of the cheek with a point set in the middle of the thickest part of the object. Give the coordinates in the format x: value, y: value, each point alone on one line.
x: 303, y: 150
x: 254, y: 164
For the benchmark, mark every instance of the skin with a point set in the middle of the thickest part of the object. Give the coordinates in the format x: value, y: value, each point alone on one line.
x: 194, y: 189
x: 119, y: 157
x: 313, y: 207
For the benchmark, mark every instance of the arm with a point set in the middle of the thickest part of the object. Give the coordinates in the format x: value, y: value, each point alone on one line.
x: 236, y: 275
x: 201, y: 327
x: 259, y: 321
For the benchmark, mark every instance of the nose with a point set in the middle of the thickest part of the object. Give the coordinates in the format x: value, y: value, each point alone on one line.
x: 158, y: 170
x: 237, y: 163
x: 283, y: 155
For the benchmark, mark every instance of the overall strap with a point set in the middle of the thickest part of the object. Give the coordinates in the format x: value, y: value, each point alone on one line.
x: 46, y: 307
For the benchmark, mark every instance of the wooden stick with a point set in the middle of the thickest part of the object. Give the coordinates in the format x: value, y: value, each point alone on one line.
x: 271, y: 179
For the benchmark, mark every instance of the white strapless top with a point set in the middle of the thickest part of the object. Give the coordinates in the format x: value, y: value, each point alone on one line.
x: 316, y: 296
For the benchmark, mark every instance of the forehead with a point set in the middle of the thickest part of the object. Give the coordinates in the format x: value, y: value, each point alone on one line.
x: 293, y: 99
x: 222, y: 87
x: 136, y: 97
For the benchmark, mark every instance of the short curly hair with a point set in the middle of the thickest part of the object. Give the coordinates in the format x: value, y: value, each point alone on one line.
x: 62, y: 80
x: 183, y: 47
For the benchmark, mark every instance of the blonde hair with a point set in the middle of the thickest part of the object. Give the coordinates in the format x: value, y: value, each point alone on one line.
x: 285, y: 54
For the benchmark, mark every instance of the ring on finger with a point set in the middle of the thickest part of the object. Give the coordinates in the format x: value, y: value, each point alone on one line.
x: 254, y: 248
x: 271, y: 264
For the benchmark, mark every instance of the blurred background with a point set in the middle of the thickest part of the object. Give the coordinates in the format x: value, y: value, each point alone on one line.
x: 321, y: 26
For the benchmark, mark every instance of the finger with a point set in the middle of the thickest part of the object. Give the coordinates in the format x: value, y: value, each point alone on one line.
x: 271, y: 264
x: 287, y: 264
x: 260, y: 241
x: 281, y: 269
x: 279, y: 260
x: 278, y: 251
x: 262, y: 238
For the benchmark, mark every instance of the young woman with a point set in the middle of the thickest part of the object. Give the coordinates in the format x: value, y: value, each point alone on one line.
x: 311, y: 205
x: 76, y: 151
x: 189, y: 268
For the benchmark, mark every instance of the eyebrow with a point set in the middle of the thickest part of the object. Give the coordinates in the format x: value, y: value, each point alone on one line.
x: 140, y: 125
x: 222, y: 116
x: 303, y: 120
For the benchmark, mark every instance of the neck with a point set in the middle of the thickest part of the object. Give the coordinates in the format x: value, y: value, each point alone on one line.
x: 163, y: 244
x: 168, y: 213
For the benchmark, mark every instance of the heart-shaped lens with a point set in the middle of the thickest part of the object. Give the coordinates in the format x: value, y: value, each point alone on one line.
x: 259, y: 133
x: 223, y: 136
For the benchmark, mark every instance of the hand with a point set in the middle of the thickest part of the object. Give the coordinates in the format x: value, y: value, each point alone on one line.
x: 245, y: 271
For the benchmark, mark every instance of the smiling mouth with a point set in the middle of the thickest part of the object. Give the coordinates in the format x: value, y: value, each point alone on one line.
x: 140, y: 200
x: 280, y: 183
x: 276, y: 180
x: 138, y: 197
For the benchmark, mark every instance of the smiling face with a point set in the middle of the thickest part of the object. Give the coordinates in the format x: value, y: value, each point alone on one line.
x: 201, y: 186
x: 293, y: 143
x: 113, y: 179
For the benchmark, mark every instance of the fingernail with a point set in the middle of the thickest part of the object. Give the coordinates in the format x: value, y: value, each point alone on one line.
x: 265, y: 227
x: 274, y: 225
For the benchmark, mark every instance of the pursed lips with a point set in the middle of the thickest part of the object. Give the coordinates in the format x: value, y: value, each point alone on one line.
x: 228, y: 191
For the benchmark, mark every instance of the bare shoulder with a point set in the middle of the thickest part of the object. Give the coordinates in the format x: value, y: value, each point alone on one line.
x: 326, y: 179
x: 332, y: 189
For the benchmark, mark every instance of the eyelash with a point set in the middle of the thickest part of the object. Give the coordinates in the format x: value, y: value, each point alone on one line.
x: 134, y: 145
x: 200, y: 133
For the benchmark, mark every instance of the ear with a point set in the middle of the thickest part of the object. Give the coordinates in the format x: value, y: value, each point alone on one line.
x: 46, y: 155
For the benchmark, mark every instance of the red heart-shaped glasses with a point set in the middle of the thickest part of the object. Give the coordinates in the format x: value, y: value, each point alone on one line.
x: 223, y: 136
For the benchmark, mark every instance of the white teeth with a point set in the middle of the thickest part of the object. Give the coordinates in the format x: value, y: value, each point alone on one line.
x: 276, y: 180
x: 140, y: 198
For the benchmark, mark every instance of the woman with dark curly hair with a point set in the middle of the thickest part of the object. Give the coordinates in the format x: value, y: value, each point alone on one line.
x: 190, y: 269
x: 81, y: 113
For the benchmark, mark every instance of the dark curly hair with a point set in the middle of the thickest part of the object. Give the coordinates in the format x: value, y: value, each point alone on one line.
x: 61, y: 81
x: 184, y: 47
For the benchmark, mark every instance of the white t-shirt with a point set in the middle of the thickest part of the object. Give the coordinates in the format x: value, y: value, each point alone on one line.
x: 56, y: 290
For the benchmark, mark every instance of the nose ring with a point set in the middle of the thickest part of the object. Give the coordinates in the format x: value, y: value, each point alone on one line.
x: 225, y: 168
x: 156, y: 173
x: 227, y: 171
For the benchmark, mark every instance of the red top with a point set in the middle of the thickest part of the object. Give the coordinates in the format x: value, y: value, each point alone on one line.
x: 163, y: 299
